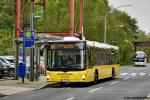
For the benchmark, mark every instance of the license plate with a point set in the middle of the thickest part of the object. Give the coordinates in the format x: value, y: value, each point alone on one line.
x: 65, y: 80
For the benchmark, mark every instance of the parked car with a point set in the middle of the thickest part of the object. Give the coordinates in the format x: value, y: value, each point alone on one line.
x: 11, y: 59
x: 8, y: 67
x: 1, y: 71
x: 4, y: 67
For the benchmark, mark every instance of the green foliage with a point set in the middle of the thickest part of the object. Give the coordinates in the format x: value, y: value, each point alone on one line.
x: 94, y: 13
x: 57, y: 16
x: 120, y: 26
x: 6, y: 26
x: 6, y: 44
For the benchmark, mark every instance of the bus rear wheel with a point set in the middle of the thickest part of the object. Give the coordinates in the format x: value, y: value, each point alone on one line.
x: 113, y: 73
x: 95, y: 78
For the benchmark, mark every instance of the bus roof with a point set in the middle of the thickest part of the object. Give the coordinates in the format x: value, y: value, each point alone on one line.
x: 89, y: 43
x: 140, y: 52
x: 101, y: 45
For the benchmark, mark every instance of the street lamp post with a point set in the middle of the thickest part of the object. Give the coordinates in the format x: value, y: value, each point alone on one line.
x: 105, y: 27
x: 105, y: 23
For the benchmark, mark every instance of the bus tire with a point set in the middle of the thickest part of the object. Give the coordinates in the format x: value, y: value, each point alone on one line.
x: 96, y: 77
x: 113, y: 73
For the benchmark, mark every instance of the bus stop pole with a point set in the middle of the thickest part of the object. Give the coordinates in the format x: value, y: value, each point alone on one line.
x: 23, y: 53
x: 45, y: 60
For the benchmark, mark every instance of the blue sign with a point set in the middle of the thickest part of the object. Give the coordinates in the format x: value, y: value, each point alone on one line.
x: 29, y: 38
x: 22, y: 70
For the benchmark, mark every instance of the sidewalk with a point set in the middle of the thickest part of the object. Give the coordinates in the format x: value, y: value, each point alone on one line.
x: 9, y: 87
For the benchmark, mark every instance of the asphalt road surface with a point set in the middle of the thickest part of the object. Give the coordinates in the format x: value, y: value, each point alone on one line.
x: 132, y: 84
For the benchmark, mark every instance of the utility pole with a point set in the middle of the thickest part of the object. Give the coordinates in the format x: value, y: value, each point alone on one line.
x: 18, y: 14
x: 81, y: 20
x: 71, y: 17
x: 32, y: 48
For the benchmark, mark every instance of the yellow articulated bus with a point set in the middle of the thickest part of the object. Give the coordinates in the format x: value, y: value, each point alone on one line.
x: 73, y: 60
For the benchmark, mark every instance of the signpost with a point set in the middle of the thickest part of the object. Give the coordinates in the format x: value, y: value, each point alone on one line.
x: 28, y: 41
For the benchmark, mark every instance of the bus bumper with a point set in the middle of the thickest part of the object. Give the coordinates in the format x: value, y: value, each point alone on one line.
x: 140, y: 64
x: 68, y: 77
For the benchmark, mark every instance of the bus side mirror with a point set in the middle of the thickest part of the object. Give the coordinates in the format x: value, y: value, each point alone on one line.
x: 41, y: 52
x: 112, y: 53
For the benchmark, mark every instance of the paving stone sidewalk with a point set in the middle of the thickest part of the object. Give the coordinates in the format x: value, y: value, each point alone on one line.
x: 9, y: 87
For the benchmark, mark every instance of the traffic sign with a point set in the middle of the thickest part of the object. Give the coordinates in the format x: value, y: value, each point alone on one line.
x: 29, y: 38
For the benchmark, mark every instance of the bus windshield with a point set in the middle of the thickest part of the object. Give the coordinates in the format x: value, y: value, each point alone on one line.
x: 140, y: 55
x: 60, y: 60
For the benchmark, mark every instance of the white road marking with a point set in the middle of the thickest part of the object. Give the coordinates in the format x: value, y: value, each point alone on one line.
x: 148, y: 74
x: 141, y: 74
x: 133, y: 74
x: 96, y: 89
x: 70, y: 98
x: 124, y: 74
x: 114, y: 82
x: 126, y: 78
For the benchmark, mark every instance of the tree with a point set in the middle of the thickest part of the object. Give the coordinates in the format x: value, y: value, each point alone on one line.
x: 7, y: 16
x: 120, y: 26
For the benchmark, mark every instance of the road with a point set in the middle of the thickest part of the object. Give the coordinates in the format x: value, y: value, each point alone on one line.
x: 132, y: 84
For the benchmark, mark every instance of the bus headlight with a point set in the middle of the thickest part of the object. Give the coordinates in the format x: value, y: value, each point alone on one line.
x: 83, y: 77
x: 48, y: 77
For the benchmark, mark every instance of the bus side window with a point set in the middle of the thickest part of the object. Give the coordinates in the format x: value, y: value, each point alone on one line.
x: 89, y: 53
x: 113, y: 58
x: 89, y: 57
x: 78, y: 59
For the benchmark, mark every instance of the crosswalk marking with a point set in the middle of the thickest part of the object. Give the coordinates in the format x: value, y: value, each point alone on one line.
x: 124, y: 74
x: 133, y: 74
x: 141, y: 74
x: 126, y: 78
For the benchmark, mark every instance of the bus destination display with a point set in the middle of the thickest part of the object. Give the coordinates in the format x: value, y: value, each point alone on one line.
x: 66, y: 45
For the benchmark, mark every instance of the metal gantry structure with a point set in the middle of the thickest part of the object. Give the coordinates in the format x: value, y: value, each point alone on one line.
x: 20, y: 26
x: 140, y: 44
x: 20, y: 17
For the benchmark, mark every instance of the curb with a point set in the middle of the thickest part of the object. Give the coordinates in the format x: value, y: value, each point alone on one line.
x: 48, y: 85
x: 42, y: 87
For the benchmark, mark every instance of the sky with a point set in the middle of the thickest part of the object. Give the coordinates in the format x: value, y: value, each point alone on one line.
x: 139, y: 9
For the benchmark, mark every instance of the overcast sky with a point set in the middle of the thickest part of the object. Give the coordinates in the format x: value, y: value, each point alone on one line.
x: 140, y: 10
